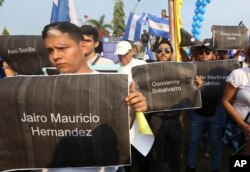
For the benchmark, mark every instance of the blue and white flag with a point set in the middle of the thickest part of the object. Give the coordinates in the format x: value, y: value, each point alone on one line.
x: 133, y: 28
x: 158, y: 27
x: 63, y: 10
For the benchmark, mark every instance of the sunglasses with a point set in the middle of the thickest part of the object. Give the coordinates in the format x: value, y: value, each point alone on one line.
x: 206, y: 52
x: 167, y: 50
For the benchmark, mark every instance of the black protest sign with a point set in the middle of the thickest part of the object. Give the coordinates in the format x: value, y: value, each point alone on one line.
x: 64, y: 121
x: 230, y: 37
x: 214, y: 75
x: 187, y: 39
x: 167, y: 85
x: 26, y: 54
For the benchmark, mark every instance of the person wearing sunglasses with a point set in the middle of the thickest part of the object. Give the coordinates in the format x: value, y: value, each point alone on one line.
x: 164, y: 51
x: 165, y: 154
x: 205, y: 53
x: 211, y: 115
x: 166, y: 127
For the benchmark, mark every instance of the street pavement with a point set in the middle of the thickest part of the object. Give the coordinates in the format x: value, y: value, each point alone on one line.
x: 203, y: 162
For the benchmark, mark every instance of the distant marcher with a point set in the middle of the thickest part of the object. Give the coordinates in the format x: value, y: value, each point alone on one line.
x: 152, y: 40
x: 165, y: 16
x: 164, y: 13
x: 144, y: 40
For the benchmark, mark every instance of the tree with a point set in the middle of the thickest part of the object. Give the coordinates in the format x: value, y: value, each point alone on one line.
x: 118, y: 18
x: 1, y: 2
x: 100, y: 25
x: 5, y: 31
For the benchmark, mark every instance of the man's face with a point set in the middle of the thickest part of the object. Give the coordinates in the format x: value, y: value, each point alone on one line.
x: 223, y: 54
x: 163, y: 14
x: 205, y: 55
x: 90, y: 44
x: 163, y: 53
x: 126, y: 58
x: 64, y: 53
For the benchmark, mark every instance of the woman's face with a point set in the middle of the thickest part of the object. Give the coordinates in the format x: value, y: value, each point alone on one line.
x: 164, y: 53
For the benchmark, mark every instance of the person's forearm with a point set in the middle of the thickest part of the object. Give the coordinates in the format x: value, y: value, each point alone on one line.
x: 232, y: 112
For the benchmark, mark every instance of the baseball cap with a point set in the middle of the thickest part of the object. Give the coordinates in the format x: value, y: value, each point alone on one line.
x: 206, y: 45
x: 123, y: 47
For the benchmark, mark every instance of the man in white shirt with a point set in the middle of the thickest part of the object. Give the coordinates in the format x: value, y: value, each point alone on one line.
x: 91, y: 39
x: 125, y: 54
x: 127, y: 62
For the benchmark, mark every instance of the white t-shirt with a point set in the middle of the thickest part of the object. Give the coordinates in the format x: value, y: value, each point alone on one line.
x: 240, y: 78
x: 127, y: 68
x: 100, y: 61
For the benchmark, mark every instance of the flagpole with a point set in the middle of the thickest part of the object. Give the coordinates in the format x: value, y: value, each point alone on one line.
x: 136, y: 6
x: 171, y: 26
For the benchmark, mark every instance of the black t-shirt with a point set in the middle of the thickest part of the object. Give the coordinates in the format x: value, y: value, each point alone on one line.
x: 208, y: 108
x: 168, y: 114
x: 145, y: 37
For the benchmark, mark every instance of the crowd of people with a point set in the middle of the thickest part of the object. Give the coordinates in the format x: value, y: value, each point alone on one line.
x: 165, y: 154
x: 72, y: 50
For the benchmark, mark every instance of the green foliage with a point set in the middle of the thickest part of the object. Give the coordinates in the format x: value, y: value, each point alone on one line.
x: 5, y: 32
x: 1, y: 2
x: 118, y: 18
x: 100, y: 25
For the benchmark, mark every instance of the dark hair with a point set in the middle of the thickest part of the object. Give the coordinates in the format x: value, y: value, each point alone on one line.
x: 163, y: 10
x: 65, y: 27
x: 206, y: 48
x: 90, y: 30
x: 164, y: 41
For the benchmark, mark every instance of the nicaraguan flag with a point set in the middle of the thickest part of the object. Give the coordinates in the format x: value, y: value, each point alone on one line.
x: 133, y: 28
x: 63, y: 10
x: 157, y: 26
